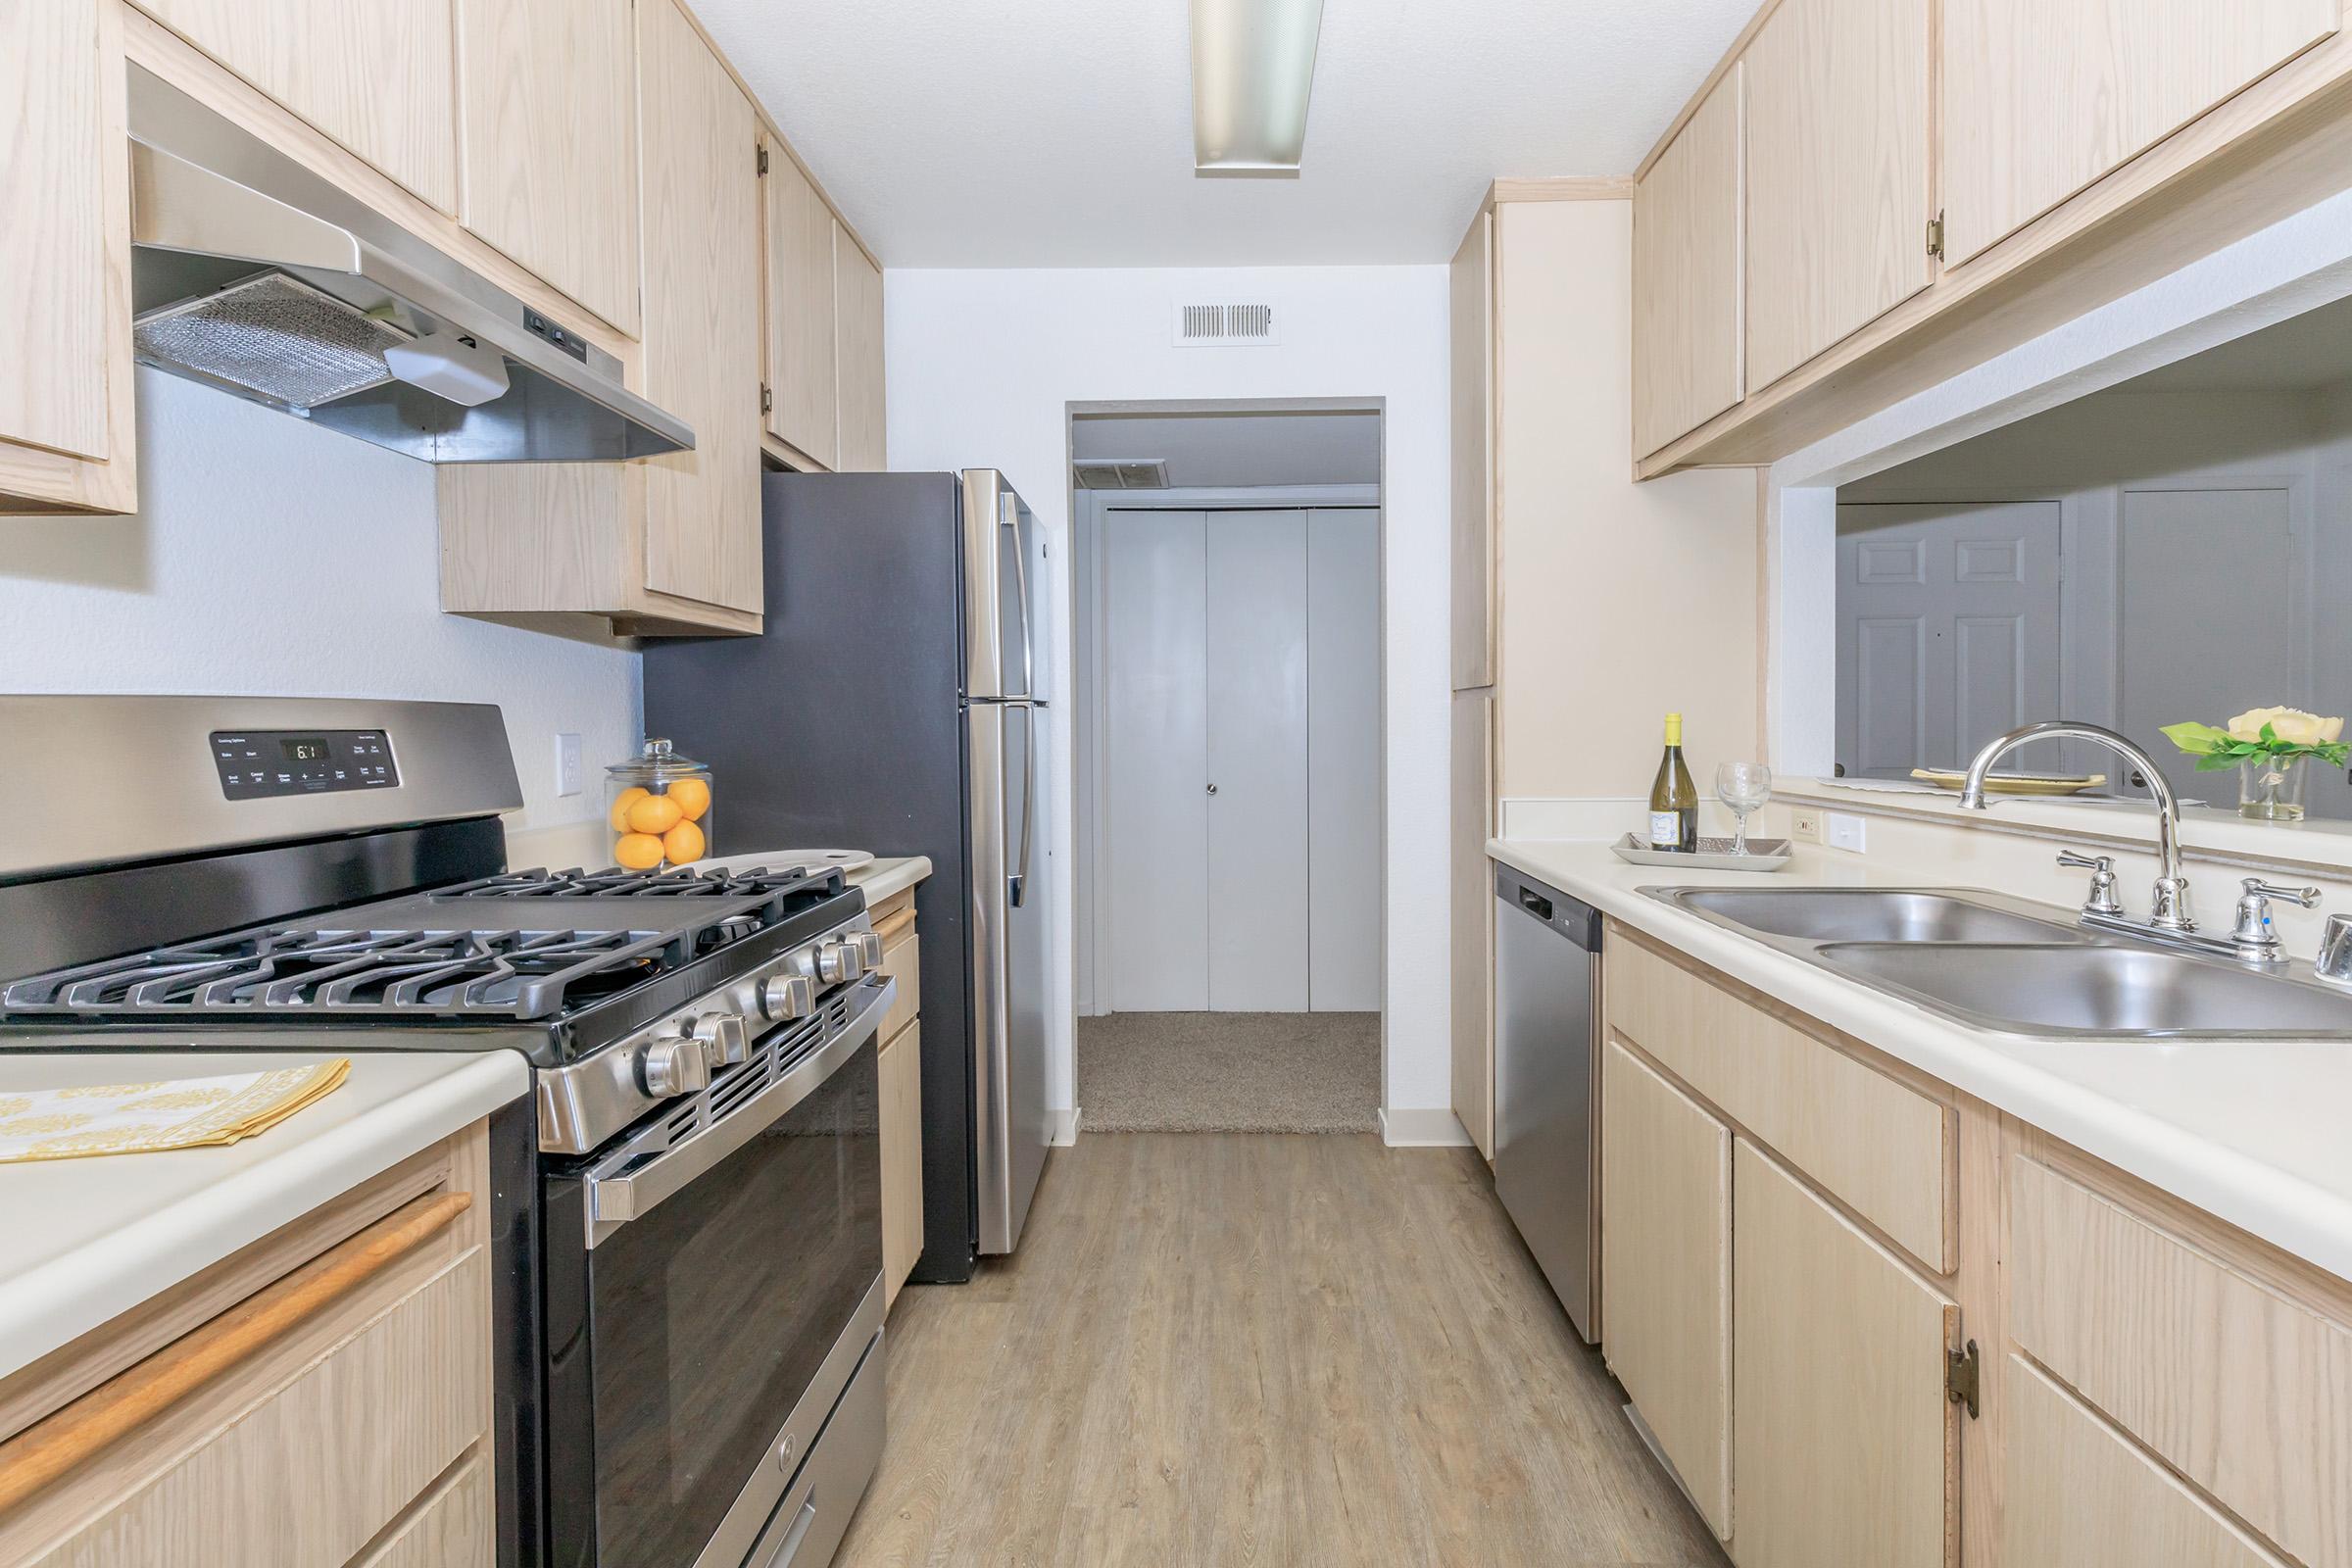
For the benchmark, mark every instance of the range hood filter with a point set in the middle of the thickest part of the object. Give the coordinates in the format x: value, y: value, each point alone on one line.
x: 273, y: 335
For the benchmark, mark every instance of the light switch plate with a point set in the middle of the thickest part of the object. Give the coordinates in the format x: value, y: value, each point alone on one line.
x: 567, y: 765
x: 1844, y: 832
x: 1804, y: 826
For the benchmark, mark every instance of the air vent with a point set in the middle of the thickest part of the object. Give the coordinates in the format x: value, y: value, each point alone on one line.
x: 1226, y: 324
x: 1121, y: 473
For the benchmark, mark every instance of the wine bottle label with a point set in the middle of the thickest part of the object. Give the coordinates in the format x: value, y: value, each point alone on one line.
x: 1665, y: 830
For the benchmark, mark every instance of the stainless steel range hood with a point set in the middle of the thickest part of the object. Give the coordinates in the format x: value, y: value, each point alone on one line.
x: 253, y: 274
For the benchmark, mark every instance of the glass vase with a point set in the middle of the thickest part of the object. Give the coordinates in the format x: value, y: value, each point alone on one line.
x: 2271, y: 790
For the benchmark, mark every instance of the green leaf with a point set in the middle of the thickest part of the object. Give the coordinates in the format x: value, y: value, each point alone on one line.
x: 2195, y: 738
x: 2215, y: 762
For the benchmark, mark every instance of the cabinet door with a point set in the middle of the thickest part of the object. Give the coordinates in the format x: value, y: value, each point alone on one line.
x: 377, y: 75
x: 700, y: 188
x: 2042, y: 97
x: 1846, y: 1446
x: 551, y: 142
x: 901, y: 1118
x: 1471, y: 285
x: 1687, y: 274
x: 857, y: 302
x: 1837, y: 175
x: 2076, y: 1493
x: 66, y: 417
x: 801, y: 348
x: 1473, y: 901
x: 1666, y: 1275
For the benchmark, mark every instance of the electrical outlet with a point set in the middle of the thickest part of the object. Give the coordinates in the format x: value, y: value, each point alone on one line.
x: 1804, y: 826
x: 1844, y: 832
x: 567, y: 765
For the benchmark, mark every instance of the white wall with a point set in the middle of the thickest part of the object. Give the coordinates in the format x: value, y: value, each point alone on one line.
x: 982, y: 367
x: 272, y: 557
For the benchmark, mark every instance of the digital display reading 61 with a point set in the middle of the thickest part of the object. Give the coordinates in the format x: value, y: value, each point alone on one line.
x: 305, y: 751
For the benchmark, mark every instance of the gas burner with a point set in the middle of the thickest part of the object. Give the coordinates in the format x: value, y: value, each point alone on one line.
x: 680, y: 882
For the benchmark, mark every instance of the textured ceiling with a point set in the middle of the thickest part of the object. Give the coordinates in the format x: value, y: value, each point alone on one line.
x: 1059, y: 132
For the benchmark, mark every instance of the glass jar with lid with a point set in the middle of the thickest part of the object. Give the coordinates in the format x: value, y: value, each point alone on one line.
x: 657, y: 805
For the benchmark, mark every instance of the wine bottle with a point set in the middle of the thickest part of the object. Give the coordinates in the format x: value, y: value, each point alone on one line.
x: 1673, y: 797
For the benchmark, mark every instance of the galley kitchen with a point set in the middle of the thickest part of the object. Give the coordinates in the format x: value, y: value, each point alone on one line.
x: 799, y: 785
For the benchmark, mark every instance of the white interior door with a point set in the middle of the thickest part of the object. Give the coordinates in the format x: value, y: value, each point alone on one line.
x: 2190, y: 561
x: 1343, y: 760
x: 1948, y: 632
x: 1154, y: 876
x: 1257, y: 587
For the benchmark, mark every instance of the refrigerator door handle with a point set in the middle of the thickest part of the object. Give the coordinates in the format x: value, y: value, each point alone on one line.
x: 1017, y: 884
x: 1010, y: 512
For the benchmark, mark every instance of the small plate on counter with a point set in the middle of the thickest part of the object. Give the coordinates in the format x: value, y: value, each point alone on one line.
x: 1946, y: 778
x: 1712, y: 854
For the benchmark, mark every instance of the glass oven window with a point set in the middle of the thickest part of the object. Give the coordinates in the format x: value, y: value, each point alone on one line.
x: 711, y: 1313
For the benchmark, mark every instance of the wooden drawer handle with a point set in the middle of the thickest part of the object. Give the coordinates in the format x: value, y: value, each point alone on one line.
x: 63, y: 1439
x: 896, y: 926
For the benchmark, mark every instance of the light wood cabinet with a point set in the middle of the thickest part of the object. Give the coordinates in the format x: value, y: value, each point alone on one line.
x: 857, y: 357
x: 1666, y: 1273
x: 1470, y: 289
x: 902, y: 1095
x: 549, y: 122
x: 1686, y: 274
x: 1472, y: 898
x: 799, y: 384
x: 1838, y: 173
x: 1846, y: 1447
x: 380, y: 76
x: 2042, y: 97
x: 66, y: 442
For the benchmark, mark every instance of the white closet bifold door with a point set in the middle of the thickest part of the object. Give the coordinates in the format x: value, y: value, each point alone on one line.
x: 1256, y: 786
x: 1156, y: 812
x: 1343, y: 760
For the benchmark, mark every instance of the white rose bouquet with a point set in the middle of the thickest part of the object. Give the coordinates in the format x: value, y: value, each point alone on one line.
x: 2259, y: 734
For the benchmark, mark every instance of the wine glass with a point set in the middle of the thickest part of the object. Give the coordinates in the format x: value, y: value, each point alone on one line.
x: 1742, y: 787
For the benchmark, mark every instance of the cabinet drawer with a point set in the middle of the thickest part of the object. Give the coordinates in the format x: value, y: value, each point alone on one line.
x: 308, y: 1473
x: 901, y: 1115
x: 2244, y: 1392
x: 1876, y: 1143
x: 2080, y: 1495
x: 451, y: 1527
x: 903, y: 962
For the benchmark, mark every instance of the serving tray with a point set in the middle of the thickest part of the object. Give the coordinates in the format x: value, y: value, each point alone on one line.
x: 1712, y: 854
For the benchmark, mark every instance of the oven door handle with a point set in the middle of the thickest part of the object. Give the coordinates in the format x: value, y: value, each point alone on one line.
x: 614, y: 1200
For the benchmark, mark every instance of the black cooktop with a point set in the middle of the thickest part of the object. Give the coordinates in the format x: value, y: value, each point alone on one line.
x: 554, y: 963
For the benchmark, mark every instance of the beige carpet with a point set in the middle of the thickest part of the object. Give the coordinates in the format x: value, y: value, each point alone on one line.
x: 1229, y: 1072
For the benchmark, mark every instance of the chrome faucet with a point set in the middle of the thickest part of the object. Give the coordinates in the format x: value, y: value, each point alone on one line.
x: 2169, y: 913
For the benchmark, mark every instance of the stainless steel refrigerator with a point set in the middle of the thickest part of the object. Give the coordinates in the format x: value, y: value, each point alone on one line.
x: 893, y: 704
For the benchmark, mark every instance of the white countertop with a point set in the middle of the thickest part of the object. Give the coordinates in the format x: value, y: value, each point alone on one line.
x: 84, y: 1240
x: 2252, y: 1131
x: 883, y: 877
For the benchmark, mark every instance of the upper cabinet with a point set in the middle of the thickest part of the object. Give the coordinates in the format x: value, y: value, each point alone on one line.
x: 858, y: 355
x: 1836, y: 173
x: 1471, y: 287
x: 800, y: 395
x: 66, y: 442
x: 1687, y: 283
x: 549, y: 138
x: 2041, y: 97
x: 378, y: 77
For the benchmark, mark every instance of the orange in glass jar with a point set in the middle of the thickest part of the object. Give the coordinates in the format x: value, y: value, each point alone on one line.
x: 656, y: 814
x: 683, y: 844
x: 638, y: 852
x: 621, y: 804
x: 693, y: 797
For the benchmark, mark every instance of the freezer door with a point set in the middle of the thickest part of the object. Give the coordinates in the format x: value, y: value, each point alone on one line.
x: 1008, y: 969
x: 1000, y: 653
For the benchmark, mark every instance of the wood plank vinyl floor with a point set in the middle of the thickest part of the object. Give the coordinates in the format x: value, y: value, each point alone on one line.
x: 1244, y: 1348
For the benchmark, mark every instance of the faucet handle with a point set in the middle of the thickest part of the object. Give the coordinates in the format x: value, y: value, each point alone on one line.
x: 2256, y: 888
x: 2255, y: 938
x: 2102, y: 900
x: 2335, y: 961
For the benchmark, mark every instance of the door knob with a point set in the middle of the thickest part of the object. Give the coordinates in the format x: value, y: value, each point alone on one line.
x: 1212, y: 789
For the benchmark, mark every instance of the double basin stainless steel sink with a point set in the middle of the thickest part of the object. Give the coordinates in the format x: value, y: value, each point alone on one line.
x: 2007, y: 965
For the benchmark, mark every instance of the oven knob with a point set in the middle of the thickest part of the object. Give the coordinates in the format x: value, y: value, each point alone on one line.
x: 785, y: 997
x: 676, y: 1065
x: 722, y: 1038
x: 870, y: 949
x: 837, y: 962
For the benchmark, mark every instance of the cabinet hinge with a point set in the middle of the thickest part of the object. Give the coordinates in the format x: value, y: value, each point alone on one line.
x: 1935, y: 236
x: 763, y: 154
x: 767, y: 398
x: 1960, y: 1378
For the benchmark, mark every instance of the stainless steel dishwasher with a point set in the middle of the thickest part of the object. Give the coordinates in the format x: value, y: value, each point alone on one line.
x: 1546, y: 1028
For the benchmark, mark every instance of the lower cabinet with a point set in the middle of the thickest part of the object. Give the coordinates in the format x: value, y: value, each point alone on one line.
x: 1666, y: 1271
x: 1845, y: 1443
x: 901, y: 1157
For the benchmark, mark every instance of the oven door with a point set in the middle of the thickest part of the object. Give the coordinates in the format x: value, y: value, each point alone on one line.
x: 712, y: 1280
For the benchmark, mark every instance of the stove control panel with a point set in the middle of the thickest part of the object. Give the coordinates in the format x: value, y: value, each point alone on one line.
x: 264, y: 763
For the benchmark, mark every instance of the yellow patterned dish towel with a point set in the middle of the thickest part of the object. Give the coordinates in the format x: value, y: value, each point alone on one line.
x: 172, y: 1114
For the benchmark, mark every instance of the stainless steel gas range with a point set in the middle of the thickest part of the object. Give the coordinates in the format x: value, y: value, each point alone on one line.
x: 688, y: 1226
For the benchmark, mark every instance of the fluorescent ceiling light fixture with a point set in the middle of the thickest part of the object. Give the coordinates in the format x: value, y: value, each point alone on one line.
x: 1253, y: 62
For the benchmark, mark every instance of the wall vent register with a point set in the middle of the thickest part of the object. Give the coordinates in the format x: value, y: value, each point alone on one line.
x: 265, y: 764
x: 1228, y: 324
